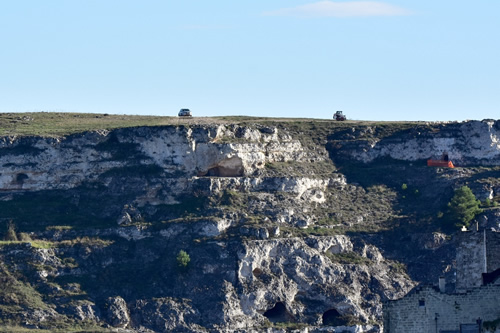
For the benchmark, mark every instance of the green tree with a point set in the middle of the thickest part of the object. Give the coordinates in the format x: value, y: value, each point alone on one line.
x: 463, y: 207
x: 183, y: 259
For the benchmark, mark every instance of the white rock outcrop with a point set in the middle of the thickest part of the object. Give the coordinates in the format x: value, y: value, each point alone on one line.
x: 289, y: 270
x: 37, y: 163
x: 471, y: 142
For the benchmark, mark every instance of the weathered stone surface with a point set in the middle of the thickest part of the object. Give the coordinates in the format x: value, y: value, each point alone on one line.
x: 35, y: 163
x: 296, y: 271
x: 117, y: 312
x: 166, y: 315
x: 449, y: 309
x: 277, y: 227
x: 467, y: 143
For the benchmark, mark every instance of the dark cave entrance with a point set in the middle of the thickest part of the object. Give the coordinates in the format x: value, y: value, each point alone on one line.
x: 21, y: 177
x: 333, y: 318
x: 231, y: 167
x: 221, y: 171
x: 279, y: 314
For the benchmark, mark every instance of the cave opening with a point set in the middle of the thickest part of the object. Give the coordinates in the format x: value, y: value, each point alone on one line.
x: 21, y: 177
x: 231, y: 167
x: 223, y: 171
x: 333, y: 318
x: 278, y: 314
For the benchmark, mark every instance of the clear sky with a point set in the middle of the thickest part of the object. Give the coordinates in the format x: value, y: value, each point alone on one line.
x: 375, y: 60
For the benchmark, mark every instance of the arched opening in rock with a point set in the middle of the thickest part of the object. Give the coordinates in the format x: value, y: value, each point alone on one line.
x: 21, y: 177
x: 333, y: 318
x: 231, y: 167
x: 279, y: 314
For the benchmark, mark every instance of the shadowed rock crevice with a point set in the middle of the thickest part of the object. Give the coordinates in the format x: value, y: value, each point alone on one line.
x: 279, y: 314
x: 231, y: 167
x: 333, y: 318
x: 21, y: 177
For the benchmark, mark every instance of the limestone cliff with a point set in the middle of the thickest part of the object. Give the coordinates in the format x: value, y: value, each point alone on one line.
x: 468, y: 143
x: 287, y: 224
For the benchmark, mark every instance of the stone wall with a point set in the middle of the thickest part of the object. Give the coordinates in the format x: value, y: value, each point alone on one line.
x: 426, y: 309
x: 492, y: 251
x: 474, y: 258
x: 417, y: 311
x: 470, y: 260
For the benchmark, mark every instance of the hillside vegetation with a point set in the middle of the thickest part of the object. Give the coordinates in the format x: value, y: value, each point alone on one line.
x: 60, y: 123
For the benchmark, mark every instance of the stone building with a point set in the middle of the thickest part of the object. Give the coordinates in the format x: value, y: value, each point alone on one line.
x: 476, y: 299
x: 478, y: 252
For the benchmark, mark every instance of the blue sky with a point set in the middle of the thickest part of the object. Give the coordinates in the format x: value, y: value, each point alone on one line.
x: 375, y: 60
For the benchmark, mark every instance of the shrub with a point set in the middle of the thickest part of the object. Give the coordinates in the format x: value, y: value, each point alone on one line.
x: 488, y: 203
x: 183, y: 259
x: 463, y: 207
x: 348, y: 258
x: 24, y: 237
x: 11, y: 235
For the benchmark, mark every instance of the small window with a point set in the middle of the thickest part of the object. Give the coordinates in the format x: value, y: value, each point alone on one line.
x: 421, y: 303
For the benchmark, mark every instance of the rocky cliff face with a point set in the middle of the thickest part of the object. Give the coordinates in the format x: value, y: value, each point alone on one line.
x: 470, y: 143
x: 287, y: 225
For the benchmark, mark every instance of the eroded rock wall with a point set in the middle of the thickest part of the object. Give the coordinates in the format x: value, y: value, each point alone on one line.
x: 467, y: 143
x: 275, y: 230
x: 35, y: 163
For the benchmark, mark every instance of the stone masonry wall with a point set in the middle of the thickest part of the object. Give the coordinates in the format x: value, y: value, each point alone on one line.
x: 416, y: 312
x: 492, y: 251
x: 471, y: 257
x: 470, y: 260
